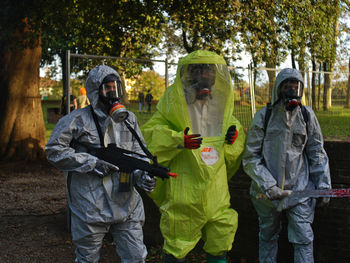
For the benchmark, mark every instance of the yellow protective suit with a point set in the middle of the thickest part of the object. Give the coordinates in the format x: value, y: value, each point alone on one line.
x: 196, y: 204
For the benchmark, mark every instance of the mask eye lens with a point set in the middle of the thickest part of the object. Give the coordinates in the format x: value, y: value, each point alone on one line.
x: 109, y: 87
x: 291, y: 89
x: 111, y: 90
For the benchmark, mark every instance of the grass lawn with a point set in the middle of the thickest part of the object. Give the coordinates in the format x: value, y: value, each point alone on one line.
x: 335, y: 123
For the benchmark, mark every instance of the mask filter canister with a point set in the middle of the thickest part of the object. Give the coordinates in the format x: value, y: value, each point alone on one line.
x: 291, y: 104
x: 118, y: 112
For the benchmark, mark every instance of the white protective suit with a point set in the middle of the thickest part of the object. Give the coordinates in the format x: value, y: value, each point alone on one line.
x: 289, y: 155
x: 96, y: 205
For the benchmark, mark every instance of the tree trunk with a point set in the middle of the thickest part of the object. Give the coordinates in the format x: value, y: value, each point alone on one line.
x: 255, y: 74
x: 308, y: 81
x: 293, y: 58
x: 64, y: 72
x: 327, y: 90
x: 272, y: 77
x: 319, y: 87
x: 327, y: 99
x: 22, y: 126
x: 125, y: 96
x: 313, y: 85
x: 302, y: 66
x: 347, y: 100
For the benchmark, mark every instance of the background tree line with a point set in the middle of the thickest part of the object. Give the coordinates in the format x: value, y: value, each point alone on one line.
x: 34, y: 32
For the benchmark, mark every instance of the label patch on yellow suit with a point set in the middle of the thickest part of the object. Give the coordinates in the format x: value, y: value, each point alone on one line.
x: 209, y: 155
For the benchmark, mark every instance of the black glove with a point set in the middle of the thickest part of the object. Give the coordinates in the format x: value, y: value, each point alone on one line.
x: 103, y: 168
x: 231, y: 134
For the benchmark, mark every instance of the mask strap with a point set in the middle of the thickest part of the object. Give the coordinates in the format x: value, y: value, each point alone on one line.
x: 145, y: 150
x: 98, y: 127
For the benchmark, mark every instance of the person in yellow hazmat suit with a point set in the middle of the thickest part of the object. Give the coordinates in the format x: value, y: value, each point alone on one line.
x: 195, y: 134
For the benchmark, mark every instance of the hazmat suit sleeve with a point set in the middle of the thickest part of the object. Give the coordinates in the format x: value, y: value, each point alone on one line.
x: 253, y: 159
x: 163, y: 141
x: 317, y: 156
x: 59, y: 152
x: 233, y: 153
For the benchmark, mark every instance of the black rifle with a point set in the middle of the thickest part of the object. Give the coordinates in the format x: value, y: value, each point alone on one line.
x: 126, y: 163
x: 121, y: 157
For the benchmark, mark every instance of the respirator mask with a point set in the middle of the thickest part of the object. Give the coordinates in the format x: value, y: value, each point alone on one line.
x: 111, y: 93
x: 291, y: 91
x: 202, y: 78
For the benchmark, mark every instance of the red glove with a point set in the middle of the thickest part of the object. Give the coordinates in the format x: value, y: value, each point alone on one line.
x: 191, y: 142
x: 231, y: 134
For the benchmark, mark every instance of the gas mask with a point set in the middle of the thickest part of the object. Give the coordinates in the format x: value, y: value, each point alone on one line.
x: 202, y: 78
x: 291, y: 91
x: 111, y: 93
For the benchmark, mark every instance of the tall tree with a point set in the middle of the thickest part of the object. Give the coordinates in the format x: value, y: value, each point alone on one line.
x: 148, y: 80
x: 205, y: 24
x: 119, y: 28
x: 21, y: 121
x: 345, y: 50
x: 110, y: 28
x: 305, y: 30
x: 347, y: 100
x: 333, y: 23
x: 316, y: 42
x: 262, y: 33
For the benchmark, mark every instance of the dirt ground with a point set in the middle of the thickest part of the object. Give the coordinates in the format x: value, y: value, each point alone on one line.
x: 33, y: 216
x: 33, y: 225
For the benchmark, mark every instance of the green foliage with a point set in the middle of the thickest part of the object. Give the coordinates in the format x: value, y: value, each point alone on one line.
x: 148, y: 80
x: 14, y: 15
x: 261, y: 31
x: 109, y: 28
x: 114, y: 28
x: 204, y: 24
x: 303, y: 28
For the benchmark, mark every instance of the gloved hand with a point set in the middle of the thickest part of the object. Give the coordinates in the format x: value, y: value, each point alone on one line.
x: 231, y: 134
x: 275, y: 193
x: 143, y: 180
x: 103, y: 168
x: 323, y: 201
x: 192, y: 141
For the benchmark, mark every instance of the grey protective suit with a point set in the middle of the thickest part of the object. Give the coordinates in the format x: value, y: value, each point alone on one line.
x: 95, y: 203
x: 290, y: 155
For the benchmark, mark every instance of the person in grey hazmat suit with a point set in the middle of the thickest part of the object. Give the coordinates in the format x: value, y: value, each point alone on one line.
x: 97, y: 201
x: 284, y: 153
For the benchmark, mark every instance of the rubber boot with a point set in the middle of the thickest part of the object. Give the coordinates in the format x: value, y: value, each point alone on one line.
x: 216, y: 259
x: 167, y: 258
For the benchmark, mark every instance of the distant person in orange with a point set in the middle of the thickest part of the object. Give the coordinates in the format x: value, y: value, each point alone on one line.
x: 83, y: 100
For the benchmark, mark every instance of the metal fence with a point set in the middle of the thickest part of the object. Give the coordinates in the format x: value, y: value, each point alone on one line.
x: 253, y: 91
x: 80, y: 64
x: 252, y: 87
